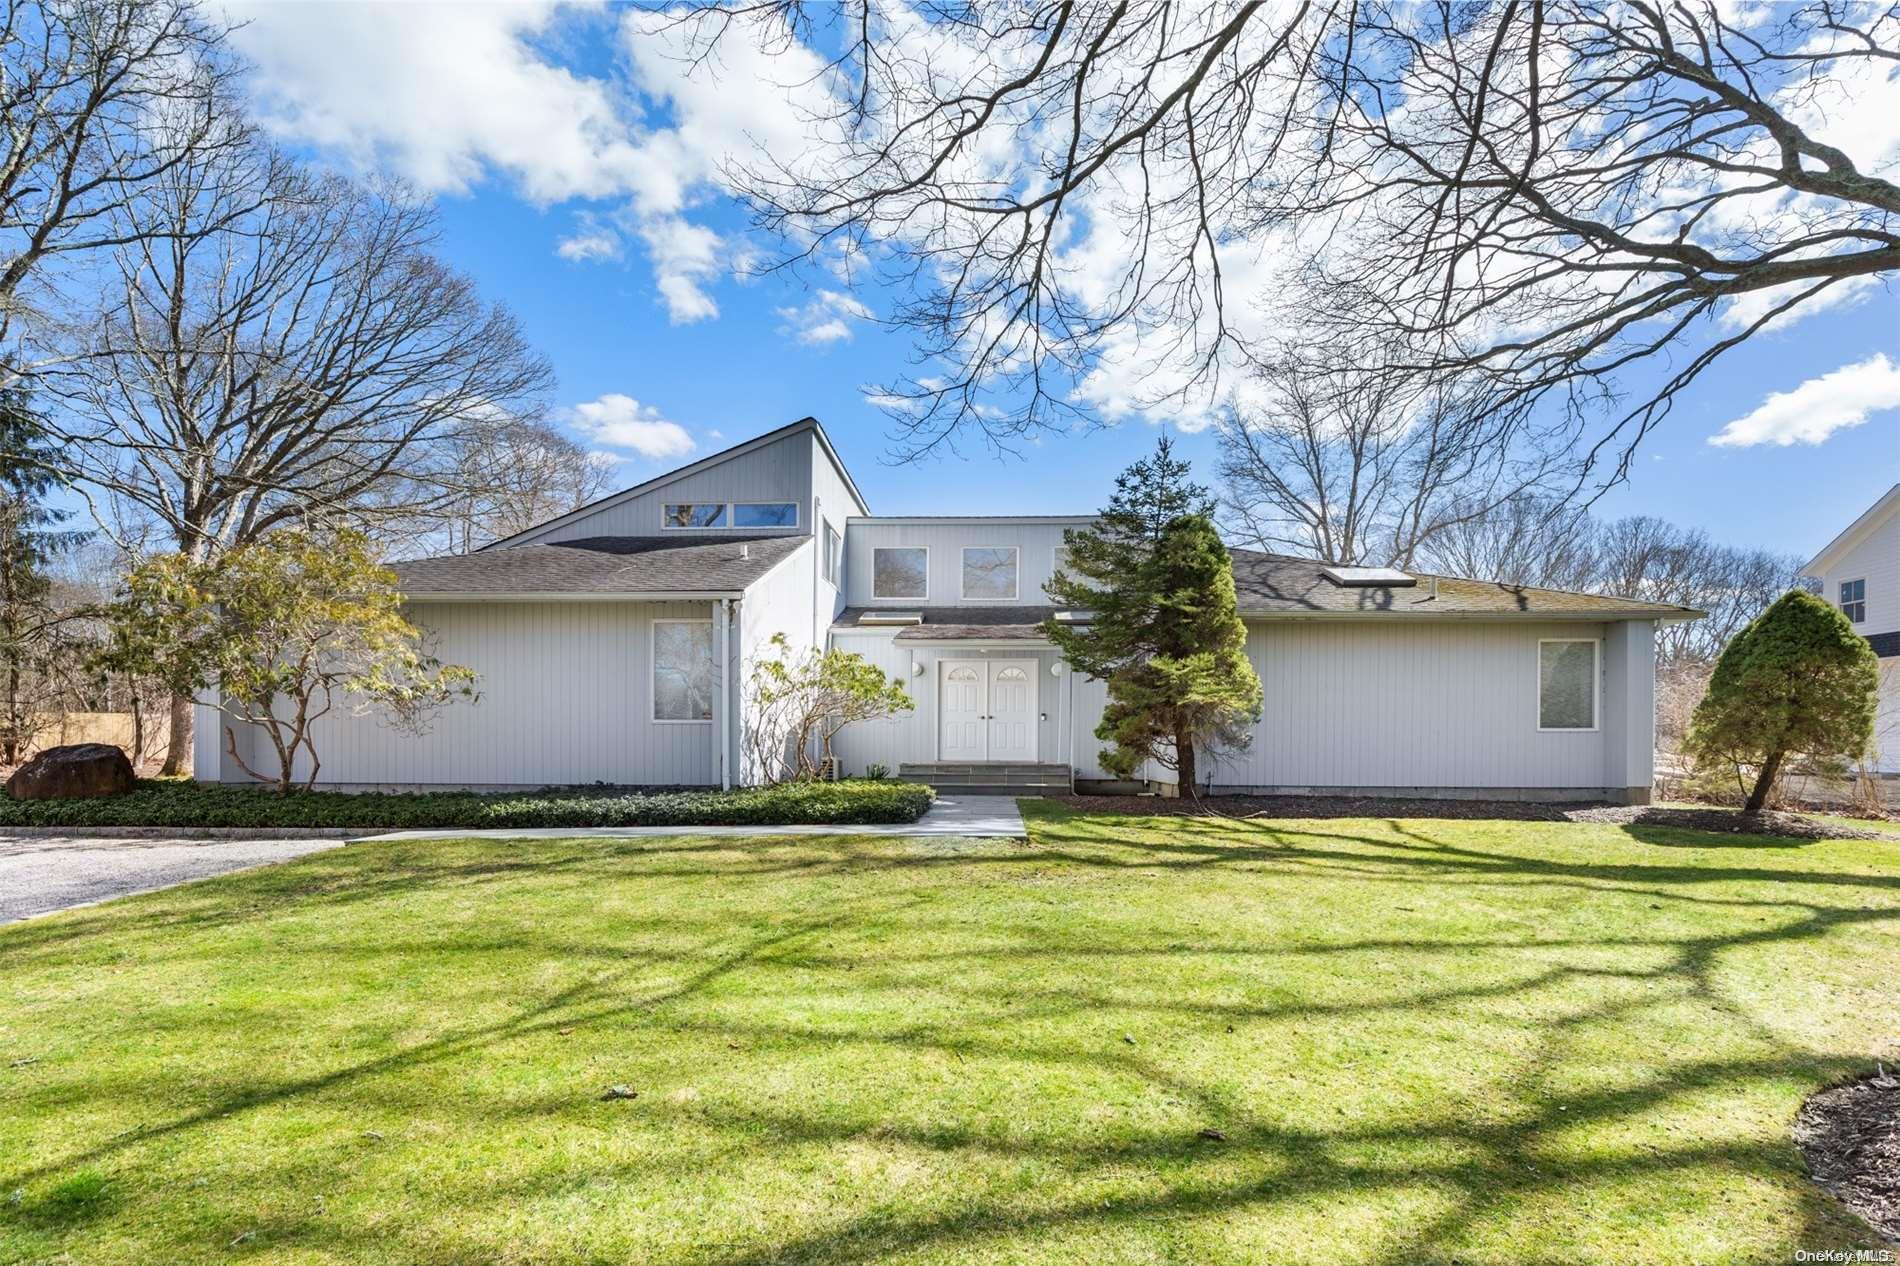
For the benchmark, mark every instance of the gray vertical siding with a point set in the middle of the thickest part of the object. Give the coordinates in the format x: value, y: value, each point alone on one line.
x: 1348, y: 704
x: 566, y: 698
x: 779, y: 471
x: 1037, y: 543
x: 1364, y: 704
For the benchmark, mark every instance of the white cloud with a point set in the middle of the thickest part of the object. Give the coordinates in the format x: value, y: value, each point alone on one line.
x: 685, y: 257
x: 1742, y: 312
x: 620, y: 421
x: 448, y: 95
x: 591, y: 240
x: 825, y: 319
x: 1818, y: 407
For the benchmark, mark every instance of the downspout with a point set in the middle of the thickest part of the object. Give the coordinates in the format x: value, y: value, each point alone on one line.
x: 723, y: 607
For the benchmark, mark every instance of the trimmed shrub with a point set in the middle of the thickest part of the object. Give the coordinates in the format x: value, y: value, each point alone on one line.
x: 184, y: 804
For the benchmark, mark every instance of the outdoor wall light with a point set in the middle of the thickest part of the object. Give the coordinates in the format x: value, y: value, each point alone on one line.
x: 1058, y: 668
x: 916, y: 668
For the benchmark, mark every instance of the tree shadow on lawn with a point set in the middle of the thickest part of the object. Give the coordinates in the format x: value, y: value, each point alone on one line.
x: 1481, y: 1165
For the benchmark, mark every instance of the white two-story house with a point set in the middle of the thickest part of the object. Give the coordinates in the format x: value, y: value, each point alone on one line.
x: 614, y: 644
x: 1859, y: 571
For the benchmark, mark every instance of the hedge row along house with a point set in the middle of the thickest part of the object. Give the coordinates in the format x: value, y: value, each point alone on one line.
x: 614, y: 642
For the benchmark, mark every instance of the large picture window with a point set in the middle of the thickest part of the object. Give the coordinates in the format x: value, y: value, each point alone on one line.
x: 989, y: 573
x: 1854, y: 600
x: 1567, y: 685
x: 900, y: 572
x: 682, y: 670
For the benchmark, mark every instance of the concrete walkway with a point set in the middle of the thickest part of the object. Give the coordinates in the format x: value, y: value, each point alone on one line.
x: 980, y: 817
x: 41, y: 874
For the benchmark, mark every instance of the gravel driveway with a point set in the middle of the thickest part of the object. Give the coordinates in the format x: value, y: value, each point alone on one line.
x: 41, y: 874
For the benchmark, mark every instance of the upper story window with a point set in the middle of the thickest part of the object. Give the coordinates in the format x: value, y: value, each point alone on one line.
x: 834, y: 554
x: 1567, y: 685
x: 901, y: 571
x: 989, y: 572
x: 765, y: 514
x: 1854, y: 600
x: 729, y: 514
x: 693, y: 514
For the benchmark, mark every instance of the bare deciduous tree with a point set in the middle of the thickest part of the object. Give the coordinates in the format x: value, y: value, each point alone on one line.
x: 1546, y: 543
x: 501, y: 475
x: 281, y: 348
x: 1337, y: 458
x: 101, y: 99
x: 1548, y: 192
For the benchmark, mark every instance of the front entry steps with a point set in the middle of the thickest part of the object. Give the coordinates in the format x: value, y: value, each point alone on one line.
x: 985, y: 779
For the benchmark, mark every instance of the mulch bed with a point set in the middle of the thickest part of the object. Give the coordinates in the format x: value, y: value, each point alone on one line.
x: 1730, y: 821
x: 1850, y: 1137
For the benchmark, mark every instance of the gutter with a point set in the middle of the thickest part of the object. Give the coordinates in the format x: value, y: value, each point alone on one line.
x: 1495, y: 617
x: 557, y: 595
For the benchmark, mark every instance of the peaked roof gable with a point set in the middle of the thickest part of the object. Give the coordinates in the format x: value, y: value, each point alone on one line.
x: 529, y: 535
x: 1856, y: 532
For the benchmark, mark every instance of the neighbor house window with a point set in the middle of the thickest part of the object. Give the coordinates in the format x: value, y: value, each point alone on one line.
x: 834, y: 554
x: 694, y: 514
x: 1567, y: 685
x: 682, y: 670
x: 765, y: 514
x: 1854, y: 600
x: 900, y: 572
x: 989, y: 572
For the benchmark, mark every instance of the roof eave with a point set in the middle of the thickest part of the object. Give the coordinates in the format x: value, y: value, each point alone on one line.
x: 575, y: 595
x: 1620, y: 613
x: 1851, y: 535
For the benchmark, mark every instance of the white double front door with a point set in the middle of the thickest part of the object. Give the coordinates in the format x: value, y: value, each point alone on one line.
x: 986, y: 710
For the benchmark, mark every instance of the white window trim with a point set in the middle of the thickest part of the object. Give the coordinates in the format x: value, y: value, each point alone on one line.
x: 653, y: 670
x: 923, y: 597
x: 725, y: 507
x: 1596, y: 686
x: 1841, y: 588
x: 831, y: 563
x: 730, y: 510
x: 732, y: 517
x: 1015, y: 593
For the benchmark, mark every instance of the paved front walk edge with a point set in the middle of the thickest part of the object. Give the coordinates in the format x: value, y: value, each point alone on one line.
x: 46, y: 873
x: 980, y: 817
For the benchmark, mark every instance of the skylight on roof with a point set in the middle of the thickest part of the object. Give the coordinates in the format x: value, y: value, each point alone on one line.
x: 1368, y: 577
x: 891, y: 617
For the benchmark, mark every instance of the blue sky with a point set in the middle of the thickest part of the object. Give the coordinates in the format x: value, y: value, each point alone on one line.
x: 576, y: 176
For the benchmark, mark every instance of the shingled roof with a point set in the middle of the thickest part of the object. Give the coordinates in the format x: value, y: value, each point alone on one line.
x: 1278, y: 584
x: 602, y: 565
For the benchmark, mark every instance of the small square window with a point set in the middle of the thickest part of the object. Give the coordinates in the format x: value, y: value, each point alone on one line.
x: 694, y: 514
x: 1567, y: 685
x: 900, y: 572
x: 989, y: 573
x: 1854, y: 600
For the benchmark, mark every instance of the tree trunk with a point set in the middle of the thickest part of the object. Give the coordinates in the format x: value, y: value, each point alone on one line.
x: 1184, y: 760
x: 1764, y: 782
x: 178, y: 745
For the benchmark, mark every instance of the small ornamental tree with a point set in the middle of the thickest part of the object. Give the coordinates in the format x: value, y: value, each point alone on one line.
x: 1796, y: 680
x: 1165, y: 632
x: 281, y: 631
x: 799, y: 703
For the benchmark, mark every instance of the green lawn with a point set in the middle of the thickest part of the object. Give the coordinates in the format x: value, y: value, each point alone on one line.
x: 1423, y: 1041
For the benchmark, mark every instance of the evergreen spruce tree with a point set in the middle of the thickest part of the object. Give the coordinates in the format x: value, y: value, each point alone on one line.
x: 35, y: 654
x: 1797, y: 680
x: 1165, y: 635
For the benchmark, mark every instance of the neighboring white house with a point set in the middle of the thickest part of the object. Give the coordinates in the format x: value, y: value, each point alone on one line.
x: 613, y: 644
x: 1859, y: 572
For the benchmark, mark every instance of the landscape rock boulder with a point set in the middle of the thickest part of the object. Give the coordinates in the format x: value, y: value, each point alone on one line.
x: 73, y: 772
